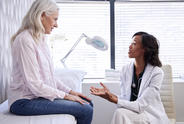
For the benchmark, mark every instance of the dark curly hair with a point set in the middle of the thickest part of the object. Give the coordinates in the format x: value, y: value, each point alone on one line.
x: 151, y: 47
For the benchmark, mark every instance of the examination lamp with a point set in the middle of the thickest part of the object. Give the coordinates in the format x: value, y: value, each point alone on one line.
x: 97, y: 42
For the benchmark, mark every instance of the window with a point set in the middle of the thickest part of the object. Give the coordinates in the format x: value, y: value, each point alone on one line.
x: 75, y: 18
x: 165, y: 20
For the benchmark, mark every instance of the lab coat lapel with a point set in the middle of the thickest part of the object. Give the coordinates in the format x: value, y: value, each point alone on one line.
x: 146, y: 78
x: 129, y: 75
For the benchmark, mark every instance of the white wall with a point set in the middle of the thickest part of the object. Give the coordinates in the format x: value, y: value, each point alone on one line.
x: 179, y: 100
x: 103, y: 110
x: 11, y: 14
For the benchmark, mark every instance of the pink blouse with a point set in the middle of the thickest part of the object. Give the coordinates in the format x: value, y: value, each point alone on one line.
x: 33, y: 73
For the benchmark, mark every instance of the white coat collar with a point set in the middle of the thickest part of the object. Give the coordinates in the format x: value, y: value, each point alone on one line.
x: 145, y: 78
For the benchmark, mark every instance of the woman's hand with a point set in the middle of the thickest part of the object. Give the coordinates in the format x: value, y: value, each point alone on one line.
x: 104, y: 93
x: 75, y: 99
x: 79, y: 95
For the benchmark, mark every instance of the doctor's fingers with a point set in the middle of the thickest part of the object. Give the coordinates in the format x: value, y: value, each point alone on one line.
x: 97, y: 93
x: 92, y: 89
x: 94, y: 92
x: 95, y: 89
x: 103, y: 85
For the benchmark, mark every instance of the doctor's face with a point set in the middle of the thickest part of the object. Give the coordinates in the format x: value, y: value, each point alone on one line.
x: 136, y: 49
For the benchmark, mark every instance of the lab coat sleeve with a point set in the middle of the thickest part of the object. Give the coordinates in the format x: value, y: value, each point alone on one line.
x: 31, y: 73
x: 149, y: 96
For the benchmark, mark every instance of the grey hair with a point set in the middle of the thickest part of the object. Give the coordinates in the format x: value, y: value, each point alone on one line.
x: 32, y: 20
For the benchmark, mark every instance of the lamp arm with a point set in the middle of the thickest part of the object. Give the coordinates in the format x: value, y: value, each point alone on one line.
x: 73, y: 47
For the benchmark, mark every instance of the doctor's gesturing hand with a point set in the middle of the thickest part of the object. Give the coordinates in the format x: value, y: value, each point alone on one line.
x: 104, y: 93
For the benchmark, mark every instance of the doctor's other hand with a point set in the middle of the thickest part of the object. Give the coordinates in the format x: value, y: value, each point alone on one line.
x: 104, y: 93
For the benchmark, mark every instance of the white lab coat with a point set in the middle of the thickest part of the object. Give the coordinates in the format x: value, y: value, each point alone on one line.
x: 148, y: 100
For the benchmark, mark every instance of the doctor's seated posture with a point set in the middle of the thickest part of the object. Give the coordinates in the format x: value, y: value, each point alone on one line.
x: 141, y: 80
x: 34, y: 89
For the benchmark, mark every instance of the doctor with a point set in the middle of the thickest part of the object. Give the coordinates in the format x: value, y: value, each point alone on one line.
x: 139, y: 102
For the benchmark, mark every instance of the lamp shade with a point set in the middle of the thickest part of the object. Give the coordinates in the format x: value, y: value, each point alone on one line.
x: 97, y: 42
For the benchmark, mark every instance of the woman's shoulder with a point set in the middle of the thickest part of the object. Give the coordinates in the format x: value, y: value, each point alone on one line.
x: 24, y: 35
x: 23, y: 40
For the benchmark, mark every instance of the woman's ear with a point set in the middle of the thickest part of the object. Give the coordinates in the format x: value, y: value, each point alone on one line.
x: 43, y: 15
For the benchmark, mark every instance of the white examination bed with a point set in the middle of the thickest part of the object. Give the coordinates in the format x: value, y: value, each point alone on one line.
x: 7, y: 118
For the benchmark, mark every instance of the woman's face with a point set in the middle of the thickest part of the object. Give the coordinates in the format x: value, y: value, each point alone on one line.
x: 135, y: 49
x: 49, y: 22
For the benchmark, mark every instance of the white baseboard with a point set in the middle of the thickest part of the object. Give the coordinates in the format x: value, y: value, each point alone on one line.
x: 179, y: 122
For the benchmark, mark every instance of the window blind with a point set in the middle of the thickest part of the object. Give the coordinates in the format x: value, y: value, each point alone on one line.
x: 164, y: 20
x: 75, y: 18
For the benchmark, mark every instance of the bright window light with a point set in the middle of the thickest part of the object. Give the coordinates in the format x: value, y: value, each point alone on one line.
x: 75, y: 18
x: 165, y: 20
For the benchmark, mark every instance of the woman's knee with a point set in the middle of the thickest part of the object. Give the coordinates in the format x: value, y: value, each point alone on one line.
x: 87, y: 109
x: 85, y: 113
x: 18, y: 107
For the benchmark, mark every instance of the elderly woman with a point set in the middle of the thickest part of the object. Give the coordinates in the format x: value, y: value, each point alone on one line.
x: 141, y: 79
x: 34, y: 89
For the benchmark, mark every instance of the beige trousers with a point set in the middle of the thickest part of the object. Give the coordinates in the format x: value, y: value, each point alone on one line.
x: 125, y: 116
